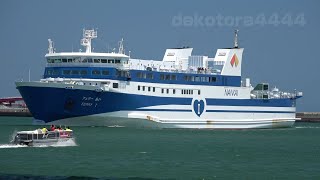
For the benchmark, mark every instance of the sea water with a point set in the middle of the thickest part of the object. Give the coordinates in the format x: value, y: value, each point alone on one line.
x: 129, y: 153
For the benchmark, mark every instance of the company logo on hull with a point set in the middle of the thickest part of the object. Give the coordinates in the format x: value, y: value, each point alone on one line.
x: 198, y: 106
x: 234, y: 61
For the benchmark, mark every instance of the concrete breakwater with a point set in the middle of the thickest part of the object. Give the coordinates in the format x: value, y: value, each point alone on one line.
x: 19, y: 112
x: 308, y: 116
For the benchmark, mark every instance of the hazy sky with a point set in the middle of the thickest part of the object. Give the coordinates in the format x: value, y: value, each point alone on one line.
x: 281, y: 38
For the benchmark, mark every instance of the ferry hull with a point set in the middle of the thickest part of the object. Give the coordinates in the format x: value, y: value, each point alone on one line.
x: 54, y: 104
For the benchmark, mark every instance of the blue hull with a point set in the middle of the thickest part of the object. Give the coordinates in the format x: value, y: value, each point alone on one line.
x: 50, y: 104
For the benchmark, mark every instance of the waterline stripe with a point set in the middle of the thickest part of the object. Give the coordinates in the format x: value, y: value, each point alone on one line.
x: 231, y: 111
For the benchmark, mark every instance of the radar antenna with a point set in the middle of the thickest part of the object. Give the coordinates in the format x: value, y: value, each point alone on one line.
x: 51, y: 48
x: 88, y: 35
x: 236, y: 45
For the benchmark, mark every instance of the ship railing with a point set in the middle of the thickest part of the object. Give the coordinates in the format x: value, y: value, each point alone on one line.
x: 258, y: 94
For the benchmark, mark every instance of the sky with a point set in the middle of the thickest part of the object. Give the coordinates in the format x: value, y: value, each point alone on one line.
x: 280, y: 38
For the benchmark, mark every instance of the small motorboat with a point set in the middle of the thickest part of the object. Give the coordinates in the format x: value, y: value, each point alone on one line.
x: 40, y: 137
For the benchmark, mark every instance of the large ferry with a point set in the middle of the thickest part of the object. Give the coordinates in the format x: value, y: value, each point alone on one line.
x: 181, y: 91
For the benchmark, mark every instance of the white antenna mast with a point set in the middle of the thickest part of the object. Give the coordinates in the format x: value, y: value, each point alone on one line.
x: 88, y: 35
x: 236, y: 45
x: 51, y: 48
x: 121, y: 50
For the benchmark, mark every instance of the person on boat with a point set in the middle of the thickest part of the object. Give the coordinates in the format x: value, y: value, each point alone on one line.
x: 68, y: 129
x: 44, y: 130
x: 52, y: 128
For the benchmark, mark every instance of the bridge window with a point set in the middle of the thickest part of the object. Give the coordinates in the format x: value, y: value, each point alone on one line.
x: 64, y: 60
x: 104, y: 61
x: 117, y: 61
x: 66, y: 72
x: 105, y: 72
x: 57, y: 61
x: 50, y: 60
x: 96, y: 60
x: 96, y: 72
x: 110, y: 61
x: 69, y: 60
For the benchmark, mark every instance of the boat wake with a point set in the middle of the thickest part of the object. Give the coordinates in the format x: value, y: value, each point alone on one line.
x: 70, y: 142
x: 4, y: 146
x: 307, y: 127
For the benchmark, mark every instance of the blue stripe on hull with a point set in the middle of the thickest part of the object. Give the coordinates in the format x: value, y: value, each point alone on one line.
x: 50, y: 104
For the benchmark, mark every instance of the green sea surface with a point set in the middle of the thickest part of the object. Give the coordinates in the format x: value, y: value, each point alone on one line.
x: 129, y: 153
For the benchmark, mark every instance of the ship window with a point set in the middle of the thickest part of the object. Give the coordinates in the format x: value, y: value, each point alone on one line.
x: 149, y: 88
x: 167, y: 91
x: 105, y: 72
x: 144, y: 75
x: 74, y: 72
x: 154, y: 89
x: 185, y: 78
x: 115, y: 85
x: 161, y: 76
x: 96, y: 60
x: 173, y: 77
x: 83, y: 72
x: 198, y: 92
x: 197, y: 79
x: 104, y: 61
x: 143, y: 88
x: 181, y: 91
x: 191, y: 91
x: 89, y: 60
x: 64, y: 60
x: 162, y: 90
x: 69, y: 60
x: 50, y: 60
x: 139, y: 74
x: 117, y: 61
x: 212, y: 79
x: 173, y: 91
x: 168, y: 77
x: 138, y: 88
x: 110, y: 61
x: 150, y: 76
x: 96, y: 72
x: 57, y: 60
x: 49, y: 72
x: 56, y: 72
x: 66, y: 72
